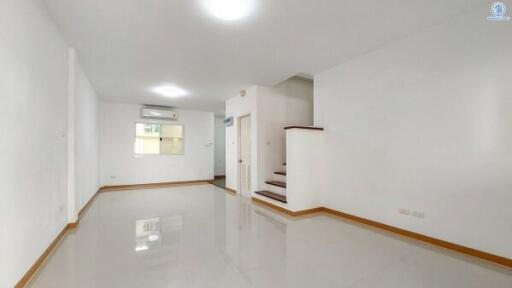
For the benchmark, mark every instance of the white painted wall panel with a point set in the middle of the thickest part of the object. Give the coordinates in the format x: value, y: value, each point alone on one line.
x: 288, y: 103
x: 33, y: 124
x: 425, y: 124
x: 87, y: 130
x: 272, y: 109
x: 119, y: 165
x: 304, y: 167
x: 236, y: 107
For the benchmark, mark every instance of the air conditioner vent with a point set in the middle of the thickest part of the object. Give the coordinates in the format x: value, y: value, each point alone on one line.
x: 159, y: 112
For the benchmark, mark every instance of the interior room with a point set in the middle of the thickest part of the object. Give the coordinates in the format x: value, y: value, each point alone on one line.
x: 255, y: 143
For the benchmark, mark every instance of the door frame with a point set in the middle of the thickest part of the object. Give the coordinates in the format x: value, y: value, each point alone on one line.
x: 239, y: 149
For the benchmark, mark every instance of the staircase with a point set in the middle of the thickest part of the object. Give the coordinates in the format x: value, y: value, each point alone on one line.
x: 301, y: 146
x: 276, y: 187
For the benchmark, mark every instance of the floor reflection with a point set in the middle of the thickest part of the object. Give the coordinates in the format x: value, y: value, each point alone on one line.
x: 151, y: 233
x: 147, y: 234
x: 201, y: 236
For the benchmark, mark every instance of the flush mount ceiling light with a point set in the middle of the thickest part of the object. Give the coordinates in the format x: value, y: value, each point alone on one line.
x: 229, y: 10
x: 169, y: 91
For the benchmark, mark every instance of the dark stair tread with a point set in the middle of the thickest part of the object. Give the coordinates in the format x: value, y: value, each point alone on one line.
x: 277, y: 183
x: 272, y: 195
x: 304, y: 127
x: 280, y: 173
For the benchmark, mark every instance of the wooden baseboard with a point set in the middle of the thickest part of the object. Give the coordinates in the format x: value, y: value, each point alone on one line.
x: 424, y: 238
x: 406, y: 233
x: 230, y: 190
x: 153, y: 185
x: 135, y: 186
x: 413, y: 235
x: 87, y: 205
x: 220, y: 177
x: 286, y: 211
x: 42, y: 259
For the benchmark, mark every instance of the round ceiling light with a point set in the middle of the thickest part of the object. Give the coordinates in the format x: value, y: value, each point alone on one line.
x: 169, y: 90
x: 229, y: 10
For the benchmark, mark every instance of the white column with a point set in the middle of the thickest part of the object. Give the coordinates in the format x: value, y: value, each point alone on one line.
x: 72, y: 213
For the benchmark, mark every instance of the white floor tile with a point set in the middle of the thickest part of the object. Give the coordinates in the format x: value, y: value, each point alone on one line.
x: 200, y: 236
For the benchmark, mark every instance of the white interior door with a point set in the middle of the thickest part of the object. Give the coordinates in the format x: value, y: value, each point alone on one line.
x: 244, y: 162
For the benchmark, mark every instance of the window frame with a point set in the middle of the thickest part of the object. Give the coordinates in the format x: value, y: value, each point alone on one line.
x: 134, y: 127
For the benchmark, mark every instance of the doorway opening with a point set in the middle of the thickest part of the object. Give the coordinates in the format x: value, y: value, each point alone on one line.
x: 219, y: 159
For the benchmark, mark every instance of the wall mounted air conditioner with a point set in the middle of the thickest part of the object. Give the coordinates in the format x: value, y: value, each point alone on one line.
x: 158, y: 112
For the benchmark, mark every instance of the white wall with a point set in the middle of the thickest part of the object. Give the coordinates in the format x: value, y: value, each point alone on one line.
x: 272, y: 109
x: 425, y: 124
x: 304, y: 167
x: 287, y: 103
x: 220, y: 147
x: 119, y: 165
x: 237, y: 107
x: 86, y: 140
x: 33, y: 97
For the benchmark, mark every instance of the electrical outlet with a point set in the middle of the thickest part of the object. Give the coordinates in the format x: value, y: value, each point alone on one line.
x: 404, y: 211
x: 418, y: 214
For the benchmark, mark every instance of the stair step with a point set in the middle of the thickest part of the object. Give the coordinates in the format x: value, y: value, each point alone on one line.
x: 277, y: 183
x: 304, y: 127
x: 280, y: 173
x: 272, y: 195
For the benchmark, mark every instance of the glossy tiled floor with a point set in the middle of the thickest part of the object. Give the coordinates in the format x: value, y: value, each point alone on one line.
x: 200, y: 236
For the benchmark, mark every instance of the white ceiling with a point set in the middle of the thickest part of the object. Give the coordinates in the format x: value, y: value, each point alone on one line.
x: 128, y: 46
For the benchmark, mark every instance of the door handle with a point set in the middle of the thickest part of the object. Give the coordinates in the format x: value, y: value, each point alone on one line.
x: 240, y: 161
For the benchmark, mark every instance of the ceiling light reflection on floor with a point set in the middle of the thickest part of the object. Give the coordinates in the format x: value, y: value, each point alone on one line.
x: 153, y: 238
x: 141, y: 248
